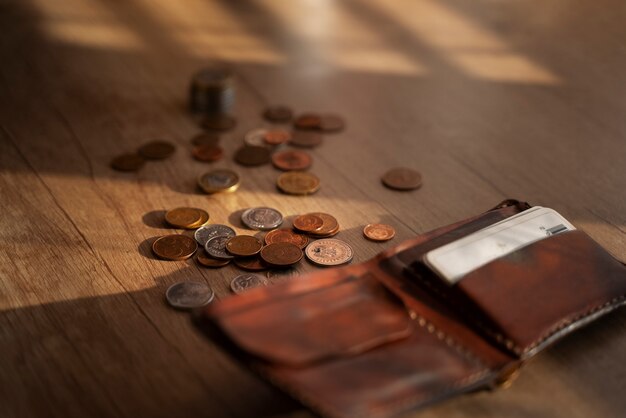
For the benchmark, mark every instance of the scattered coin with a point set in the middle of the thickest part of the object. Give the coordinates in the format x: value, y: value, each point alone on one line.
x: 379, y: 232
x: 189, y: 295
x: 329, y: 252
x: 281, y: 254
x: 306, y: 139
x: 247, y: 281
x: 331, y: 123
x: 207, y: 153
x: 252, y: 155
x: 208, y: 261
x: 286, y: 235
x: 308, y: 223
x: 187, y: 218
x: 308, y: 121
x: 255, y: 138
x: 276, y: 136
x: 212, y: 91
x: 254, y: 263
x: 174, y: 247
x: 298, y: 183
x: 330, y: 225
x: 127, y: 162
x: 156, y: 150
x: 216, y: 247
x: 219, y: 122
x: 278, y: 114
x: 219, y: 181
x: 206, y: 138
x: 402, y: 179
x: 244, y: 245
x: 261, y: 218
x: 205, y: 233
x: 291, y: 160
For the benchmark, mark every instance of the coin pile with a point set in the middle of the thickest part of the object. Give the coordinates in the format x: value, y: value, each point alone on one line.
x: 155, y: 150
x: 212, y: 91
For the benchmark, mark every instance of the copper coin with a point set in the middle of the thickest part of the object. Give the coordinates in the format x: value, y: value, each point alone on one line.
x: 329, y: 252
x: 306, y: 139
x: 244, y: 245
x: 208, y: 261
x: 291, y: 160
x: 379, y: 232
x: 219, y: 122
x: 219, y: 181
x: 207, y: 153
x: 308, y: 223
x: 286, y: 235
x: 276, y: 136
x: 174, y: 247
x: 254, y: 263
x: 402, y: 179
x: 278, y: 114
x: 127, y: 162
x: 187, y: 218
x: 330, y: 225
x: 281, y: 254
x: 298, y: 183
x: 331, y: 123
x: 206, y: 138
x: 156, y: 150
x: 252, y: 155
x: 308, y: 121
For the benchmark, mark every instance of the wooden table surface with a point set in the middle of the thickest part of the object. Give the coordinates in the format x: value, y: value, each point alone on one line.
x: 487, y: 99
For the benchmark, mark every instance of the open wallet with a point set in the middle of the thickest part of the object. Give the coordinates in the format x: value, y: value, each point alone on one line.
x: 392, y: 334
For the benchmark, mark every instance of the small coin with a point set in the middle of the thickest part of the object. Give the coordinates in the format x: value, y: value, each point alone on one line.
x: 286, y: 235
x: 379, y: 232
x: 329, y: 252
x: 187, y: 218
x: 276, y: 136
x: 308, y: 121
x: 216, y: 247
x: 252, y: 155
x: 156, y: 150
x: 247, y: 281
x: 189, y: 295
x: 206, y: 138
x: 219, y: 181
x: 291, y: 160
x: 278, y: 114
x: 306, y: 139
x: 219, y: 122
x: 174, y: 247
x: 402, y: 179
x: 205, y: 233
x: 331, y: 123
x: 281, y: 254
x: 308, y: 223
x: 207, y: 153
x: 127, y: 162
x: 208, y: 261
x: 330, y: 225
x: 262, y: 218
x: 244, y: 245
x: 254, y: 263
x: 255, y: 138
x: 298, y: 183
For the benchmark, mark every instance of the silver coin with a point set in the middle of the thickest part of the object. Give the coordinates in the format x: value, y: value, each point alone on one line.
x: 205, y: 233
x: 255, y: 138
x: 216, y: 247
x: 329, y: 252
x: 189, y: 295
x: 262, y: 218
x: 247, y: 281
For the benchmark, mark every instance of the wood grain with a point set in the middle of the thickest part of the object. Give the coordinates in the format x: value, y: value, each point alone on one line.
x: 488, y: 100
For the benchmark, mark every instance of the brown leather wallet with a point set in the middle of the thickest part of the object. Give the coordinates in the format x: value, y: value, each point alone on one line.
x: 388, y: 335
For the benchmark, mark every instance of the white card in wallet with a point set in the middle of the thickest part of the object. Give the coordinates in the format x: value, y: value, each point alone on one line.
x: 454, y: 260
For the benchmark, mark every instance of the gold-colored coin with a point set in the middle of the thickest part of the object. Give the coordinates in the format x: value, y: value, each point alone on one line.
x: 217, y: 181
x: 174, y: 247
x: 298, y: 183
x: 379, y: 232
x: 187, y: 218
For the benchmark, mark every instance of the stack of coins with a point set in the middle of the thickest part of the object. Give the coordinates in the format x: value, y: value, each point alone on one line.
x: 212, y: 91
x: 317, y: 224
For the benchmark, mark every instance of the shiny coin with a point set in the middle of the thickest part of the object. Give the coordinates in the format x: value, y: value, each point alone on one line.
x: 254, y: 263
x: 207, y: 153
x: 255, y: 138
x: 246, y: 282
x: 219, y: 122
x: 306, y: 139
x: 286, y: 235
x: 298, y: 183
x: 331, y: 123
x: 281, y: 254
x: 186, y: 218
x: 402, y: 179
x: 329, y: 227
x: 127, y: 162
x: 329, y: 252
x: 291, y: 160
x: 216, y: 247
x: 262, y: 218
x: 156, y: 150
x: 219, y: 181
x: 205, y: 233
x: 252, y: 155
x: 189, y: 295
x: 208, y: 261
x: 278, y: 114
x: 308, y: 223
x: 379, y: 232
x: 174, y: 247
x: 244, y: 245
x: 308, y: 121
x: 206, y: 138
x: 276, y: 137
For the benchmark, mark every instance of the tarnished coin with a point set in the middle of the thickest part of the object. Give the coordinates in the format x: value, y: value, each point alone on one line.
x: 219, y: 122
x: 306, y: 139
x: 208, y: 261
x: 276, y: 136
x: 379, y: 232
x: 206, y: 138
x: 174, y: 247
x: 244, y: 245
x: 219, y: 181
x: 262, y: 218
x: 216, y: 247
x: 252, y: 155
x: 331, y: 123
x: 156, y: 150
x: 308, y: 121
x: 278, y: 114
x: 207, y: 153
x: 253, y: 263
x: 308, y: 223
x: 189, y: 295
x: 127, y: 162
x: 255, y: 138
x: 402, y: 179
x: 281, y: 254
x: 205, y: 233
x: 330, y: 225
x: 329, y: 252
x: 286, y: 235
x: 298, y: 183
x: 291, y: 160
x: 247, y: 281
x: 187, y: 218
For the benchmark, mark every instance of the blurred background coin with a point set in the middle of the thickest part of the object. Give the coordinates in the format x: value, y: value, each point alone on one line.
x: 128, y: 162
x: 156, y: 150
x: 189, y: 295
x: 402, y: 179
x: 217, y: 181
x: 291, y: 160
x: 251, y: 155
x: 278, y: 114
x: 212, y: 91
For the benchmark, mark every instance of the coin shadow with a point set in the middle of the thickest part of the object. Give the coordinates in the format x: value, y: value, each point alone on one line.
x: 145, y: 248
x: 235, y: 219
x: 154, y: 219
